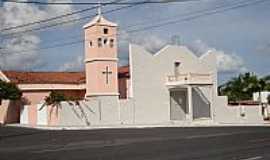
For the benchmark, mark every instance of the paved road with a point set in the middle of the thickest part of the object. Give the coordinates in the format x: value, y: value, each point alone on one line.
x: 228, y: 143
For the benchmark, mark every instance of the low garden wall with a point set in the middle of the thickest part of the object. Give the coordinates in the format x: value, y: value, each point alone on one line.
x: 224, y: 113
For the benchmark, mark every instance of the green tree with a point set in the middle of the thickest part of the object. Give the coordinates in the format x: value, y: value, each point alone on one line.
x: 267, y: 81
x: 9, y: 91
x: 243, y: 86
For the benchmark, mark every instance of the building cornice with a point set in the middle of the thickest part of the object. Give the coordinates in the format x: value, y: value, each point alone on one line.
x: 39, y: 87
x: 101, y: 94
x: 100, y: 59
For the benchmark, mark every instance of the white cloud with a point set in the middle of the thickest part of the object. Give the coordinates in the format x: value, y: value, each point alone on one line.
x: 229, y: 62
x: 11, y: 58
x: 226, y: 62
x: 75, y: 65
x: 12, y: 14
x: 151, y: 43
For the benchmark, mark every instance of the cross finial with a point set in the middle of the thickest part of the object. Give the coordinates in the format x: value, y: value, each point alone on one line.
x: 99, y: 8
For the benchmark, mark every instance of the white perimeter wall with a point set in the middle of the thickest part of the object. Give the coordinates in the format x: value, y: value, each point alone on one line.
x: 127, y: 111
x: 95, y: 111
x: 223, y: 113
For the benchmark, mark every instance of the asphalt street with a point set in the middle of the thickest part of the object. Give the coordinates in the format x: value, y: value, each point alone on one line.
x: 205, y: 143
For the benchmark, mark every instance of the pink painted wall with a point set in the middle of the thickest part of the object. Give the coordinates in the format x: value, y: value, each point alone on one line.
x: 53, y: 113
x: 96, y: 81
x: 10, y: 112
x: 32, y: 115
x: 3, y: 111
x: 35, y: 97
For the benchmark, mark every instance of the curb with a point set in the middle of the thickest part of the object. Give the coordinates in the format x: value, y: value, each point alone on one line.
x: 102, y: 127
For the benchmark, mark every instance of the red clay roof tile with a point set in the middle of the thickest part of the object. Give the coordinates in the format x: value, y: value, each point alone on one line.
x: 22, y: 77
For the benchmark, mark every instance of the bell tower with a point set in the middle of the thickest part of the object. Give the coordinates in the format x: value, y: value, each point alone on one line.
x: 101, y: 57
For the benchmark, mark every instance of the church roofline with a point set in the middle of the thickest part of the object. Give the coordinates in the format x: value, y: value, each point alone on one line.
x: 164, y: 49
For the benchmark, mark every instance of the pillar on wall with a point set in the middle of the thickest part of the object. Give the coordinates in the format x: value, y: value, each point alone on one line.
x: 190, y: 104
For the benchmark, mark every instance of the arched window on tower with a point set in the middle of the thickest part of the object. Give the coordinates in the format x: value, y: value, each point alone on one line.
x: 99, y: 42
x: 111, y: 43
x: 105, y: 41
x: 90, y: 44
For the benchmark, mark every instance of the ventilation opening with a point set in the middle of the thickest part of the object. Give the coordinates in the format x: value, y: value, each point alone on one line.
x: 105, y: 30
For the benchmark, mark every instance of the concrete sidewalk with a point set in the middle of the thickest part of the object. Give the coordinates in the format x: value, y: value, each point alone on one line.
x: 201, y: 123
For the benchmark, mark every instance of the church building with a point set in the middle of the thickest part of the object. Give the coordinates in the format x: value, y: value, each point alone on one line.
x: 171, y: 86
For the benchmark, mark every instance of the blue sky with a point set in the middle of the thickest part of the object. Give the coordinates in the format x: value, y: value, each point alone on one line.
x: 240, y: 37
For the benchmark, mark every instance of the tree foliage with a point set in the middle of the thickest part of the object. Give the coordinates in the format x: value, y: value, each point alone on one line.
x: 243, y: 86
x: 9, y: 91
x: 56, y: 97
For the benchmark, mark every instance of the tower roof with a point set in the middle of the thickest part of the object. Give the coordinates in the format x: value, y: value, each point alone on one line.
x: 100, y: 20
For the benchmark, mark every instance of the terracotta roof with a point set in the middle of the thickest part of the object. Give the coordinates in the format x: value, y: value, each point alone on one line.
x: 22, y: 77
x: 123, y: 72
x: 123, y: 69
x: 45, y: 77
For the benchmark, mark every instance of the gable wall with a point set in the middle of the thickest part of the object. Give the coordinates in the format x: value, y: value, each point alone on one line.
x: 148, y: 75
